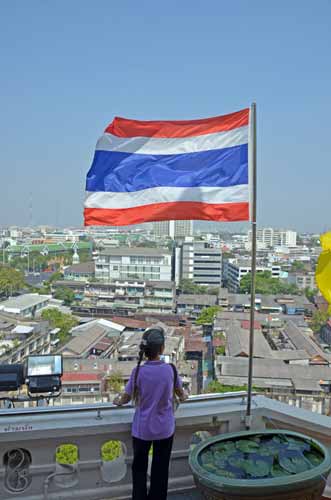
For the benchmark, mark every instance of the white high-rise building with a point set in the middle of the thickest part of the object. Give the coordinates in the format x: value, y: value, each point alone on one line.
x: 161, y: 228
x: 270, y: 237
x: 173, y: 228
x: 200, y: 262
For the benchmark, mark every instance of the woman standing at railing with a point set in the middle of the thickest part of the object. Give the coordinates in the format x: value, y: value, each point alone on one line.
x: 153, y: 387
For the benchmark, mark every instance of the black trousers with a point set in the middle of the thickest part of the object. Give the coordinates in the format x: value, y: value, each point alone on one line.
x: 160, y: 469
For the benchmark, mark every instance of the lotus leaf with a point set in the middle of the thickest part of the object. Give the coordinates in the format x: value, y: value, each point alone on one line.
x: 260, y: 456
x: 206, y: 457
x: 257, y: 439
x: 314, y: 458
x: 227, y: 447
x: 237, y: 462
x: 277, y: 471
x: 295, y: 444
x: 247, y: 446
x: 266, y: 458
x: 268, y: 451
x: 257, y: 468
x: 294, y: 463
x: 226, y: 473
x: 210, y: 467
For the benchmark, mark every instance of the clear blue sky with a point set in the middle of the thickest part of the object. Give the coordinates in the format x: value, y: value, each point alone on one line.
x: 68, y: 67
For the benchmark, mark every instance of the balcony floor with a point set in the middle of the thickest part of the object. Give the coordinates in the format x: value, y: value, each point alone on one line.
x: 188, y: 495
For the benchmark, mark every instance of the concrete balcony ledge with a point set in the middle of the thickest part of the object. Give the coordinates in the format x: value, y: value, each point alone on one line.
x: 36, y: 434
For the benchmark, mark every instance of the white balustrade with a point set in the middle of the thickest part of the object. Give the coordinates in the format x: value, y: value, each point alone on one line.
x: 29, y: 439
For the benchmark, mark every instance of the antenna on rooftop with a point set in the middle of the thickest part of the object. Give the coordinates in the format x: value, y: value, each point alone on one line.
x: 30, y: 209
x: 57, y: 213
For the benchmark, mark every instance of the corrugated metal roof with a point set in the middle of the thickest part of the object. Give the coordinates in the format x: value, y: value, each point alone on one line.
x: 238, y: 341
x: 206, y: 300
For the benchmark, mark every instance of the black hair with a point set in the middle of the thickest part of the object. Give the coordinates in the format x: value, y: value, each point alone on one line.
x: 151, y: 345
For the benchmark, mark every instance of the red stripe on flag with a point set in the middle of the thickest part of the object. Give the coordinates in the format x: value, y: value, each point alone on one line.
x: 123, y: 127
x: 228, y: 212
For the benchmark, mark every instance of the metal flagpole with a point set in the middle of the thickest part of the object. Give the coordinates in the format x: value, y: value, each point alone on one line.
x: 252, y: 173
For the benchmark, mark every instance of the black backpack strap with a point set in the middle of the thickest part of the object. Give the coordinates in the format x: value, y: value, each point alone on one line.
x: 174, y: 369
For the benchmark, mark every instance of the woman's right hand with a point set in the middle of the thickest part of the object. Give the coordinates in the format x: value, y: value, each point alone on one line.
x: 117, y: 401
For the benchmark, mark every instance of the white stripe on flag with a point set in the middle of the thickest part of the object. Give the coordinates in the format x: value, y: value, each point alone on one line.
x: 169, y: 146
x: 218, y: 195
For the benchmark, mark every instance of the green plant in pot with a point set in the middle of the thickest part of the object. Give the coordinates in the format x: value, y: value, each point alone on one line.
x: 270, y: 465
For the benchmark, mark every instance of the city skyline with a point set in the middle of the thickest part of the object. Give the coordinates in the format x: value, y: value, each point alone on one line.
x: 59, y: 93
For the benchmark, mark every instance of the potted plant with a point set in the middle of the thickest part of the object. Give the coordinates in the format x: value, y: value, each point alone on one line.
x: 270, y: 465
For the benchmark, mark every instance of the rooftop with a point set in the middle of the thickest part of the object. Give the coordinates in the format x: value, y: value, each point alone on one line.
x: 202, y: 299
x: 84, y: 267
x: 69, y: 377
x: 107, y: 325
x: 302, y: 341
x: 267, y: 369
x: 97, y: 334
x: 135, y: 251
x: 237, y: 339
x: 161, y: 284
x: 24, y: 301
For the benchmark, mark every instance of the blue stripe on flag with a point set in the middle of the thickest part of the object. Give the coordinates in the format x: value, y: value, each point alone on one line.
x: 126, y: 172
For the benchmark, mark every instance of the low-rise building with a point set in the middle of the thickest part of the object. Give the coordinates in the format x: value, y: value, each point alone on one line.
x: 125, y: 297
x: 303, y: 280
x: 80, y: 272
x: 95, y: 338
x: 173, y: 352
x: 236, y: 269
x: 147, y: 264
x: 27, y: 305
x: 237, y: 339
x: 192, y: 305
x: 223, y: 297
x: 325, y: 332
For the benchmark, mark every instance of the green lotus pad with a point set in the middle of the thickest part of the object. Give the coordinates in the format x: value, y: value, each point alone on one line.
x: 260, y: 456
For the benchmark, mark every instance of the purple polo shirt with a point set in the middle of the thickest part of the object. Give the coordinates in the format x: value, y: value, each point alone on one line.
x: 154, y: 417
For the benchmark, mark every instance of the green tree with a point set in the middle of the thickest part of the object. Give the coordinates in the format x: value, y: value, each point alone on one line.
x: 310, y: 294
x: 55, y: 277
x: 65, y: 294
x: 188, y: 286
x: 318, y: 320
x: 57, y: 319
x: 207, y: 315
x: 146, y: 244
x: 215, y: 386
x: 266, y: 284
x: 297, y: 265
x: 228, y: 255
x: 44, y: 290
x: 11, y: 280
x: 16, y: 343
x: 220, y: 351
x: 115, y: 382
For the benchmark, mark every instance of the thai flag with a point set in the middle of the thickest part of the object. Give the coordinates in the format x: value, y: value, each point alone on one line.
x: 146, y: 171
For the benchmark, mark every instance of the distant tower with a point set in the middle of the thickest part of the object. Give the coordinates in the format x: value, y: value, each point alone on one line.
x: 75, y: 257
